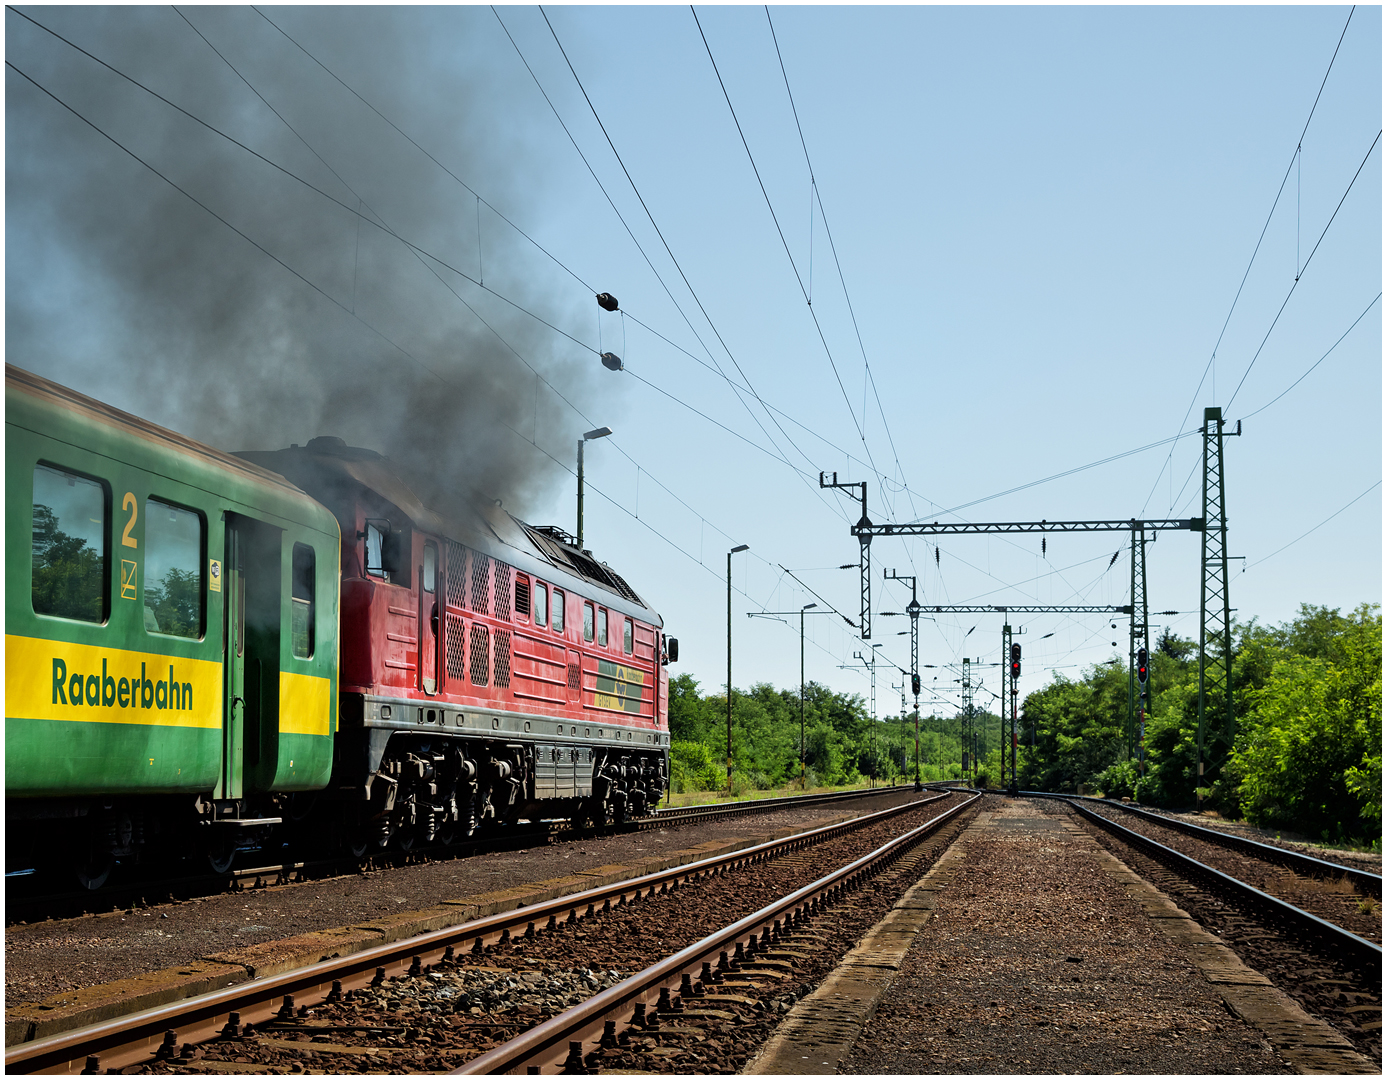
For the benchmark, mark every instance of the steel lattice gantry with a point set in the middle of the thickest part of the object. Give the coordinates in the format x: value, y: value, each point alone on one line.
x: 1215, y: 614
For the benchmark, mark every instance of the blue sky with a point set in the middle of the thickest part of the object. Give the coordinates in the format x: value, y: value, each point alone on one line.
x: 1042, y: 218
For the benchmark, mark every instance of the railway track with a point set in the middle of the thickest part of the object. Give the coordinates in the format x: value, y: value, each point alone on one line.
x: 1347, y: 896
x: 1331, y: 972
x: 369, y: 1011
x: 27, y: 901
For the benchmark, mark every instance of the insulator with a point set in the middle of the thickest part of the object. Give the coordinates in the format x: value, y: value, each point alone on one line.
x: 1042, y: 547
x: 936, y: 554
x: 611, y: 361
x: 606, y: 301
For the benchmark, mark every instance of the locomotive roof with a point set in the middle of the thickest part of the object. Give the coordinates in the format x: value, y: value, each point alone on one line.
x: 326, y: 464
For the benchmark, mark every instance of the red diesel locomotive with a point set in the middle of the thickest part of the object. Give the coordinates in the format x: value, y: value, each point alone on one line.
x: 490, y: 670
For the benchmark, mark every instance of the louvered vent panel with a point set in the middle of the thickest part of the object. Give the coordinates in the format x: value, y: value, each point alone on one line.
x: 480, y: 661
x: 481, y: 580
x: 457, y: 648
x: 500, y: 672
x: 522, y: 596
x: 575, y: 674
x: 502, y: 593
x: 457, y: 574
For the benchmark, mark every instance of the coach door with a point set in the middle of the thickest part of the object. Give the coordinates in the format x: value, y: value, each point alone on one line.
x: 234, y: 667
x: 252, y: 588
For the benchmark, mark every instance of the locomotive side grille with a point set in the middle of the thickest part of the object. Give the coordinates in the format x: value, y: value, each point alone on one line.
x: 457, y: 648
x: 502, y: 594
x: 575, y: 675
x: 522, y: 595
x: 501, y: 649
x: 480, y: 665
x: 457, y: 574
x: 481, y: 579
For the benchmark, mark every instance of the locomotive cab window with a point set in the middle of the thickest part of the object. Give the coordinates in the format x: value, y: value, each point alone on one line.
x: 375, y: 550
x: 69, y: 545
x: 302, y: 602
x: 430, y: 568
x: 587, y: 621
x: 541, y: 604
x: 558, y: 611
x: 602, y: 627
x: 628, y: 633
x: 174, y: 540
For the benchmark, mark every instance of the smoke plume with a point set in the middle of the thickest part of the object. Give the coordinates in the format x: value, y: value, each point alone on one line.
x: 121, y: 286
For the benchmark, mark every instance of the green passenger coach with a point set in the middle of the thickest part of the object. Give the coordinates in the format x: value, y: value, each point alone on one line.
x: 171, y: 638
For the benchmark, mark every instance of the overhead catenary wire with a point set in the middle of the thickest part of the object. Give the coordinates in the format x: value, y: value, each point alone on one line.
x: 1376, y: 139
x: 1316, y: 364
x: 418, y: 251
x: 335, y: 302
x: 1256, y: 248
x: 651, y: 217
x: 1326, y: 521
x: 823, y: 340
x: 833, y: 247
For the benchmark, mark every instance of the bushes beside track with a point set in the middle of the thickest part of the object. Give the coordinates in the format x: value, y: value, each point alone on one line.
x: 1307, y: 706
x: 842, y: 745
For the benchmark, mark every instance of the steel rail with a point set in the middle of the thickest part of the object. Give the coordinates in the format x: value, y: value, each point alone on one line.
x: 734, y: 809
x: 1338, y: 943
x: 1367, y: 883
x: 129, y: 1040
x: 550, y: 1042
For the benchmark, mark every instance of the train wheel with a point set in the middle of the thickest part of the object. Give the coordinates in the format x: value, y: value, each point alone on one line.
x: 93, y: 872
x: 221, y: 854
x: 360, y: 842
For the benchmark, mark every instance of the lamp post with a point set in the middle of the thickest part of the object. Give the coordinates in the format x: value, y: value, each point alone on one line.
x: 739, y: 547
x: 807, y: 607
x: 802, y: 785
x: 598, y: 433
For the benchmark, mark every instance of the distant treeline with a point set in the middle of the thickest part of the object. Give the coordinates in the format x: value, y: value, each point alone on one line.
x: 1306, y: 757
x: 1307, y: 749
x: 842, y: 745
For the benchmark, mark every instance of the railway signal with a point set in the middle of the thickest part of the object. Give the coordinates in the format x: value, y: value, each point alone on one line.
x: 1141, y: 666
x: 1016, y: 659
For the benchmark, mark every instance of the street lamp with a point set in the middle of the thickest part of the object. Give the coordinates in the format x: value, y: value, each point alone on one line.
x: 807, y: 607
x: 739, y: 547
x: 802, y: 785
x: 598, y: 433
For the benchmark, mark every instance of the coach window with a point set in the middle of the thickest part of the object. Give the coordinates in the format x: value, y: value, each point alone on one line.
x: 541, y: 604
x: 174, y: 539
x: 302, y: 602
x: 558, y: 611
x: 69, y: 545
x: 602, y: 627
x: 627, y: 634
x: 587, y: 621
